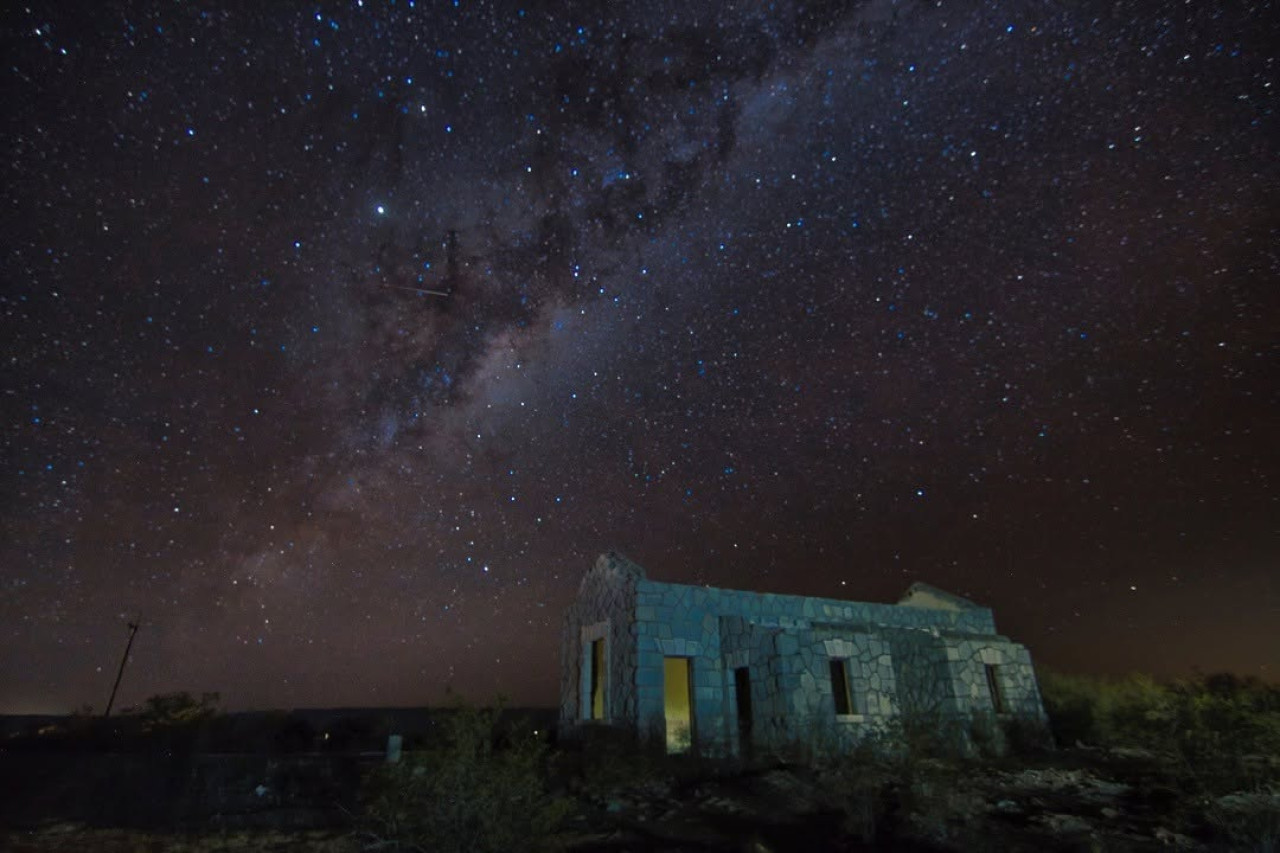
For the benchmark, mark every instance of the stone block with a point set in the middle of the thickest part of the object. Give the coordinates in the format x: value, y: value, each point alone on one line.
x: 648, y: 677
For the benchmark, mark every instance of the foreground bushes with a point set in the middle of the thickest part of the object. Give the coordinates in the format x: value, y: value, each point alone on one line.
x: 1223, y: 729
x: 484, y: 786
x: 478, y: 786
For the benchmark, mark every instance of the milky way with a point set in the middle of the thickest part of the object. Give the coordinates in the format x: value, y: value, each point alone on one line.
x: 338, y: 340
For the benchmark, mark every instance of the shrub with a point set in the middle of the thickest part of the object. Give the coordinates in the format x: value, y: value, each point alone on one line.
x: 1221, y: 730
x: 168, y: 710
x: 985, y: 735
x: 1072, y: 704
x: 607, y: 760
x: 477, y: 786
x: 861, y: 786
x: 1025, y: 735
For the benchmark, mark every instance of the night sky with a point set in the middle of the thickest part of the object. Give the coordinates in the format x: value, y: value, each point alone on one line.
x: 339, y: 339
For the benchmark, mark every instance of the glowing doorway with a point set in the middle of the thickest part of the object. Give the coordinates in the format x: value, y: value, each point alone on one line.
x: 677, y: 692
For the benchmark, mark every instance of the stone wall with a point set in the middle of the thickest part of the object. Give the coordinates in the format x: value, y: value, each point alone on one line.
x: 678, y: 621
x: 604, y: 609
x: 788, y: 643
x: 896, y: 659
x: 1013, y: 671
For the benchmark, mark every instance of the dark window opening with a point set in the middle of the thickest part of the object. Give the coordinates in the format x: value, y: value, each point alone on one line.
x: 840, y: 687
x: 597, y: 679
x: 742, y: 692
x: 993, y: 685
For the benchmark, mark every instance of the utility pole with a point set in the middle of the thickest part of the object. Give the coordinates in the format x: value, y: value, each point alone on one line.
x: 133, y: 630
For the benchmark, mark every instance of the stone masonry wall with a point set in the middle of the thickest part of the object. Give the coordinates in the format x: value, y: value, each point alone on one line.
x: 789, y: 610
x: 1016, y: 677
x: 679, y: 621
x: 788, y: 642
x: 605, y: 609
x: 897, y: 659
x: 923, y: 673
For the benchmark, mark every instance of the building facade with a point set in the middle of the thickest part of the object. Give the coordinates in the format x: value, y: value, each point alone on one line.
x: 728, y: 671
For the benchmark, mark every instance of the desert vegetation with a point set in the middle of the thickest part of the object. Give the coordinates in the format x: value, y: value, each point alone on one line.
x: 1124, y: 763
x: 1138, y: 764
x: 1220, y: 732
x: 481, y: 783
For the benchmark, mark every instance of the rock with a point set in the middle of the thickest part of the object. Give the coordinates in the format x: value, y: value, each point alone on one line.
x: 1066, y: 824
x: 1169, y: 838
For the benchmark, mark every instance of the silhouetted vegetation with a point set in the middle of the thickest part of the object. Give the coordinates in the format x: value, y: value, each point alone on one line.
x: 480, y: 784
x: 1193, y: 761
x: 170, y: 710
x: 1222, y: 731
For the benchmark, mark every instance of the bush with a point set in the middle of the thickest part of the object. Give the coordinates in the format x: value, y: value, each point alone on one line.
x: 861, y: 786
x: 1221, y: 730
x: 170, y: 710
x: 478, y: 786
x: 1026, y: 736
x: 1072, y: 704
x: 985, y: 735
x: 606, y: 760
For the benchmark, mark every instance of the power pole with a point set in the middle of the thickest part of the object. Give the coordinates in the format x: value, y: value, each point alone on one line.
x: 133, y: 630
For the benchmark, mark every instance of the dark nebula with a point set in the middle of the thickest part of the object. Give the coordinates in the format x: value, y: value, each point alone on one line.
x: 338, y: 339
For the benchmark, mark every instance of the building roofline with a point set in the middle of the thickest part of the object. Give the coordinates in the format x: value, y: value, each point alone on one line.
x: 957, y: 601
x: 619, y: 562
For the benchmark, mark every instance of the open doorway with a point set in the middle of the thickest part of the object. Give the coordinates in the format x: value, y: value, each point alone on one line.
x: 742, y: 693
x: 596, y: 661
x: 677, y: 693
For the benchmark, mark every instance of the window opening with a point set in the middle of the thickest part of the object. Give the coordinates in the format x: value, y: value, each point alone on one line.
x: 597, y: 679
x: 840, y: 687
x: 993, y: 685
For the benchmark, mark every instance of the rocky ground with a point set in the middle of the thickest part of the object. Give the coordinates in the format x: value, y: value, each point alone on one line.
x: 1076, y: 800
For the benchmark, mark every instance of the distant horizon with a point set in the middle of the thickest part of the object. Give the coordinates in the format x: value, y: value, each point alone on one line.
x: 444, y: 703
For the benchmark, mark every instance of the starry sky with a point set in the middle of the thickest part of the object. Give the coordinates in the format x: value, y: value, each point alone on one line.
x: 339, y: 338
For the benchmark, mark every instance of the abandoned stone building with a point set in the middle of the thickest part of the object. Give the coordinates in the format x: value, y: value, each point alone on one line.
x: 729, y: 672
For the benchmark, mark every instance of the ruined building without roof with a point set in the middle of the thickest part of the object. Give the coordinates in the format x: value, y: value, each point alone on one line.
x: 727, y: 671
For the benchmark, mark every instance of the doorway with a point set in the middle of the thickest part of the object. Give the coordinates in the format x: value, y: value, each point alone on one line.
x: 742, y: 692
x: 677, y: 694
x: 597, y: 679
